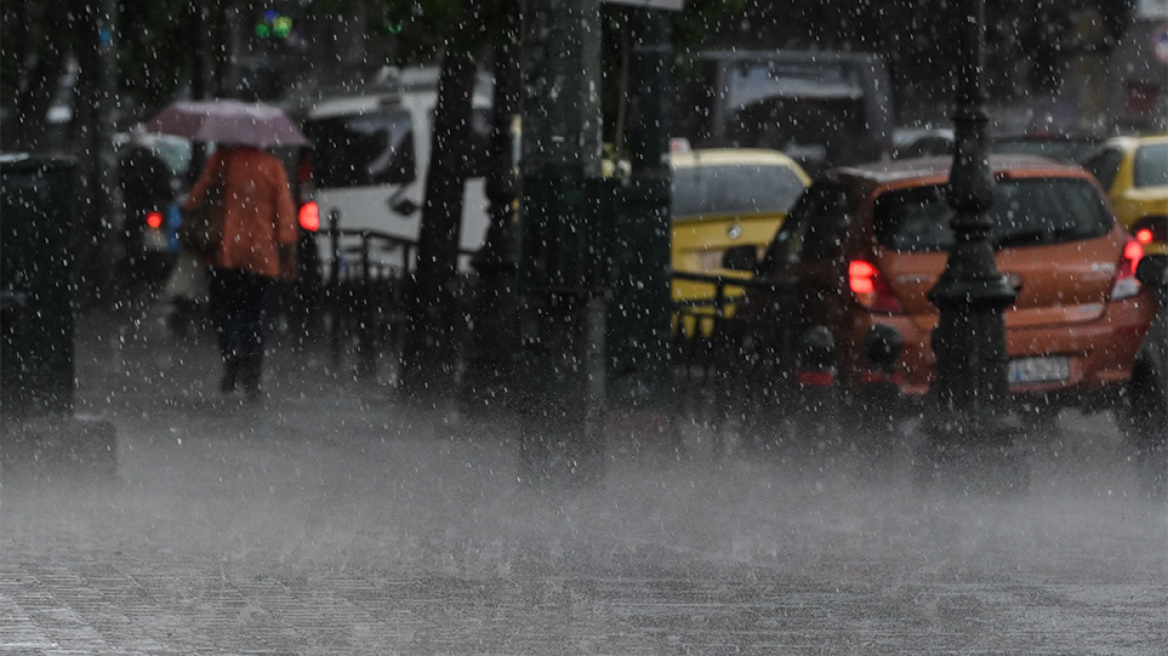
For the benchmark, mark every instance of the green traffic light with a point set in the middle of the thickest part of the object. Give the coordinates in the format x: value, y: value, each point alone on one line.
x: 282, y: 27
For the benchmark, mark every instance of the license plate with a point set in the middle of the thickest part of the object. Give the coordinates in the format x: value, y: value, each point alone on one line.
x: 1055, y: 368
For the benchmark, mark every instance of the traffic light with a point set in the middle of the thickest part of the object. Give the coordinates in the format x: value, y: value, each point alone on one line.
x: 273, y: 25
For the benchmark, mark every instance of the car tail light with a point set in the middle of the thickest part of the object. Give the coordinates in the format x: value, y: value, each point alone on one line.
x: 1151, y: 229
x: 310, y: 216
x: 154, y: 220
x: 870, y: 289
x: 1126, y: 283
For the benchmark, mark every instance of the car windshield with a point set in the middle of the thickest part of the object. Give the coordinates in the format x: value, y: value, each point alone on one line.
x: 734, y: 189
x: 362, y: 149
x: 1151, y: 166
x: 1026, y: 213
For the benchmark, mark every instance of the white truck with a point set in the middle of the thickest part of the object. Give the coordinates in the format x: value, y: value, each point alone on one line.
x: 370, y: 156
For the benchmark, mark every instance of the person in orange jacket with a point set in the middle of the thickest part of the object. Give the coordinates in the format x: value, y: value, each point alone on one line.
x: 258, y: 247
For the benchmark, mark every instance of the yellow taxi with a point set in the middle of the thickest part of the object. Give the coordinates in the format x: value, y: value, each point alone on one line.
x: 1134, y: 171
x: 725, y: 198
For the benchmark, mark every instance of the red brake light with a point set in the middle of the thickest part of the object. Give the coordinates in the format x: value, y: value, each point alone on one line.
x: 1132, y: 252
x: 871, y: 290
x: 310, y: 216
x: 1126, y: 283
x: 154, y: 219
x: 1144, y: 235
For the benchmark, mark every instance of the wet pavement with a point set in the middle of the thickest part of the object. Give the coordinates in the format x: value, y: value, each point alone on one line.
x: 331, y: 519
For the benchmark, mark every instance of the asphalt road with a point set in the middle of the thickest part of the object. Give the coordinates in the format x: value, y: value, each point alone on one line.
x: 331, y: 520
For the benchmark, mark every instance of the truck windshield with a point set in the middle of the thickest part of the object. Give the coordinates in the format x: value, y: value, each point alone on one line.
x: 369, y: 148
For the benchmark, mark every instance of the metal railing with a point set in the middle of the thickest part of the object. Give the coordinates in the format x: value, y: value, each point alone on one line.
x: 365, y: 295
x: 726, y: 363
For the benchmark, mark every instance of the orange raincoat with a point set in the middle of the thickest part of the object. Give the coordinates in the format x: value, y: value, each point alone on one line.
x: 259, y: 215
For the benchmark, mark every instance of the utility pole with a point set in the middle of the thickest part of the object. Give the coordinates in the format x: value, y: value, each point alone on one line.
x: 109, y: 191
x: 971, y: 390
x: 560, y: 376
x: 638, y: 318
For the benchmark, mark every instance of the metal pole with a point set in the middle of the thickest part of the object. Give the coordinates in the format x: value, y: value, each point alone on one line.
x: 109, y: 191
x: 639, y: 316
x: 970, y: 340
x: 559, y: 365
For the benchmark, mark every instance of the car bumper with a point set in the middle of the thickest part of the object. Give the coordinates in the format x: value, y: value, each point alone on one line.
x: 1095, y: 358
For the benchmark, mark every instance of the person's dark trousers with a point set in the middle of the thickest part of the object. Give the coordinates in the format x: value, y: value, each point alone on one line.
x: 237, y: 309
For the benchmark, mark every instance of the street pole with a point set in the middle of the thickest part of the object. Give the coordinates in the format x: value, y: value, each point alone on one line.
x: 638, y: 318
x: 109, y: 191
x: 970, y: 392
x: 559, y: 369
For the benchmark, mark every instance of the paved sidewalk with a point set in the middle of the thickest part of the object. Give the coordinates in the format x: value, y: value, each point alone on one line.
x: 329, y: 520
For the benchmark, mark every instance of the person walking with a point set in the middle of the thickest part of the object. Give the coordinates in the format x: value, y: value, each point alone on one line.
x: 258, y: 247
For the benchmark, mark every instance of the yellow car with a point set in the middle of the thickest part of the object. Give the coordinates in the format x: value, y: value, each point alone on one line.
x: 1134, y: 171
x: 724, y: 198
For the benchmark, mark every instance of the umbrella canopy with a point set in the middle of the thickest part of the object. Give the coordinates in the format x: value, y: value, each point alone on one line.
x: 228, y: 122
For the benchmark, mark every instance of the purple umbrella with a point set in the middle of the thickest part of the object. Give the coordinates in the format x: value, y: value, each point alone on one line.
x: 228, y: 122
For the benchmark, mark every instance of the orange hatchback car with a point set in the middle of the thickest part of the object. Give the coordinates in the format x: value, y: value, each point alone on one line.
x: 863, y: 246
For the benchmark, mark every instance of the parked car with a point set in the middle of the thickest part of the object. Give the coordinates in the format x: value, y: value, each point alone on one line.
x: 1134, y: 171
x: 908, y: 143
x: 722, y: 199
x: 864, y: 245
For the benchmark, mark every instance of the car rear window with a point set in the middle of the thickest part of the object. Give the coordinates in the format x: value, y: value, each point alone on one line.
x: 1151, y: 166
x: 733, y: 189
x: 1028, y: 212
x: 362, y: 149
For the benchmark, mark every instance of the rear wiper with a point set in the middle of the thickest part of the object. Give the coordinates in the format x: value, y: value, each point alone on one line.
x: 1037, y: 236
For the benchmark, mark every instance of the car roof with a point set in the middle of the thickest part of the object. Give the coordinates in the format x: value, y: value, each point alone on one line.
x: 1131, y: 142
x: 724, y: 156
x: 904, y: 170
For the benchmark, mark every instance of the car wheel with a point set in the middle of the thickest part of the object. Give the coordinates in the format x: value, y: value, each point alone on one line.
x: 1142, y: 413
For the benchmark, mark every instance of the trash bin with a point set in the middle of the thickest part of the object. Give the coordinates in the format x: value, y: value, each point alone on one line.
x: 36, y: 287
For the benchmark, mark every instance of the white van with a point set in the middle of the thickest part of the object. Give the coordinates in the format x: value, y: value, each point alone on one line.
x: 370, y: 156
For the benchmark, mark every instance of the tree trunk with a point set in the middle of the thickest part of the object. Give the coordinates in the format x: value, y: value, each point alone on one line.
x: 495, y: 337
x: 430, y: 349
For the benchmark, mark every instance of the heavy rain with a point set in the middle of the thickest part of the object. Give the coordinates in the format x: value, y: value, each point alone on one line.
x: 587, y: 327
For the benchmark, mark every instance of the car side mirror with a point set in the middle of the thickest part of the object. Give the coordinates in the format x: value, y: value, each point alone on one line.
x: 1153, y: 271
x: 403, y: 206
x: 740, y: 258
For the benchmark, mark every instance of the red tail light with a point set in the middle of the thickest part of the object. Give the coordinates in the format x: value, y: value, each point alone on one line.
x: 870, y: 288
x: 154, y: 219
x: 310, y: 216
x: 1151, y: 229
x: 1126, y: 283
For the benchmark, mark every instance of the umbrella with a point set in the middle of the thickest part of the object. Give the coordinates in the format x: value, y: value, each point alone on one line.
x: 229, y: 122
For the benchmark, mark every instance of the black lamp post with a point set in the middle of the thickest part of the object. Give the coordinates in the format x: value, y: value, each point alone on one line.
x: 970, y: 341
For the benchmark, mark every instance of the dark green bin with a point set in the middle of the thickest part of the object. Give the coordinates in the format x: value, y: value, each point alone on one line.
x: 36, y: 287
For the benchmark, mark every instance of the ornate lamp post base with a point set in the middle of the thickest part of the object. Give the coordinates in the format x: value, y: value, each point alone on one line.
x: 969, y: 422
